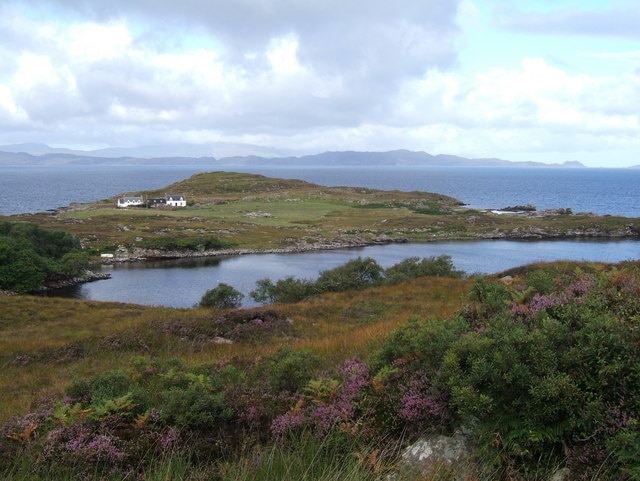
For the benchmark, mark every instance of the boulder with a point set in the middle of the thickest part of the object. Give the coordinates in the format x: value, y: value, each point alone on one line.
x: 562, y: 474
x: 447, y: 457
x: 440, y: 455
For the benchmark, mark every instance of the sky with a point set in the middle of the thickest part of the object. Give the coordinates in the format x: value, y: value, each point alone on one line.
x: 522, y: 80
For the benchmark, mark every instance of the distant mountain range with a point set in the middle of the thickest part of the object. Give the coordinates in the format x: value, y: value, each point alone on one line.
x: 43, y: 155
x: 386, y: 159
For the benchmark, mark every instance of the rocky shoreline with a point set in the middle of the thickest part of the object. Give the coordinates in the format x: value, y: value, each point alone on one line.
x: 88, y: 276
x: 533, y: 232
x: 137, y: 254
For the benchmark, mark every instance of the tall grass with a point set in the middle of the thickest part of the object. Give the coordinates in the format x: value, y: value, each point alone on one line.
x: 45, y: 343
x: 310, y: 459
x: 173, y: 467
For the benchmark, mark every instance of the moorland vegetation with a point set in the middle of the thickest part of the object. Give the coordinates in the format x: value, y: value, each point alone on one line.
x: 539, y: 366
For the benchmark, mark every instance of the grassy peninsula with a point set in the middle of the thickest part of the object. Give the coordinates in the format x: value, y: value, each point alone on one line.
x: 537, y: 366
x: 235, y: 211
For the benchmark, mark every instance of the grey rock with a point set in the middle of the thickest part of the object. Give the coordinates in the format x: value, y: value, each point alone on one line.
x: 440, y: 454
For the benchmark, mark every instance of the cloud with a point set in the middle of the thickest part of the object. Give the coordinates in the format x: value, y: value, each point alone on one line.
x: 534, y: 107
x: 334, y: 36
x: 301, y: 77
x: 608, y: 19
x: 228, y: 67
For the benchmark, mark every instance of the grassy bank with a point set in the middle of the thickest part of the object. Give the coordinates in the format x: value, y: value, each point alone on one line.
x: 47, y: 342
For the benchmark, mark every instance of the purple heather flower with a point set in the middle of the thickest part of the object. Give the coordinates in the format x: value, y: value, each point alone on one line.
x: 323, y: 415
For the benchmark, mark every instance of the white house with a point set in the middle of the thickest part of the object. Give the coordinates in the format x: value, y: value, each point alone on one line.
x: 129, y: 201
x: 176, y: 200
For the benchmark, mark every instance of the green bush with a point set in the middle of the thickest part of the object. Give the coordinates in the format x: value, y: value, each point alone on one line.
x: 410, y: 394
x: 289, y: 369
x: 196, y: 407
x: 31, y: 256
x: 289, y: 289
x: 540, y: 281
x: 21, y: 269
x: 556, y: 374
x: 111, y: 384
x: 414, y: 267
x: 354, y: 274
x: 223, y: 296
x: 552, y: 375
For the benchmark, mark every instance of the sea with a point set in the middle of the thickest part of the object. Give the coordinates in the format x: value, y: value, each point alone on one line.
x: 182, y: 283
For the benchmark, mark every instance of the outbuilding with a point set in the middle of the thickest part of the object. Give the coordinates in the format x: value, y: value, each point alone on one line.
x: 130, y: 201
x: 157, y: 202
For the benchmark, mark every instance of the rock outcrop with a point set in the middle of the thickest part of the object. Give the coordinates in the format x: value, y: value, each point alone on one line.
x: 440, y: 455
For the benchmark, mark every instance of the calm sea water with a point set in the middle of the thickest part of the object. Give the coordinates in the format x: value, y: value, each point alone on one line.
x: 602, y: 191
x: 30, y: 189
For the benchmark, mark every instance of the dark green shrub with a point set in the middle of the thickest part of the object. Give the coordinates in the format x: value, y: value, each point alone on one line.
x: 355, y: 274
x: 30, y: 256
x: 284, y: 290
x: 414, y: 267
x: 541, y: 379
x: 112, y: 384
x: 488, y: 299
x: 74, y: 263
x: 553, y: 375
x: 79, y: 391
x: 541, y: 281
x: 195, y: 407
x: 410, y: 395
x: 421, y: 343
x: 21, y: 269
x: 47, y: 243
x: 223, y: 296
x: 289, y: 369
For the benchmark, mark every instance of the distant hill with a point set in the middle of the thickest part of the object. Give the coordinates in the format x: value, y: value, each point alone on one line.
x: 220, y: 149
x: 384, y: 159
x: 41, y: 155
x: 22, y: 159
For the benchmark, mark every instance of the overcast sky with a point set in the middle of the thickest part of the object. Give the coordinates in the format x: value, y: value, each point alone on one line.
x: 541, y: 80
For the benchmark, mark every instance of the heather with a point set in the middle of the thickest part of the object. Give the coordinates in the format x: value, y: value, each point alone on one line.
x: 539, y: 365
